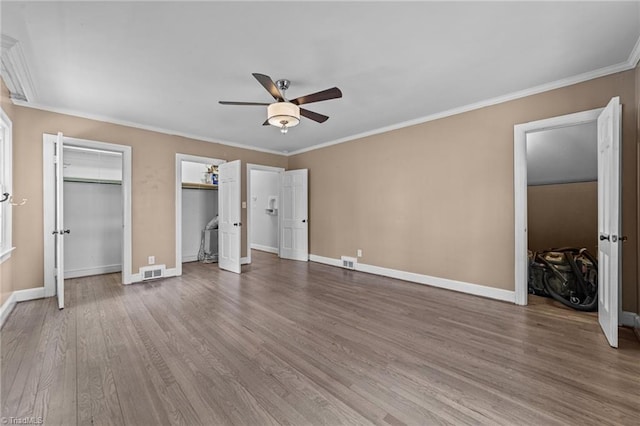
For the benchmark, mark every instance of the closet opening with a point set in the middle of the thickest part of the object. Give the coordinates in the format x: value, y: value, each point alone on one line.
x: 608, y: 235
x: 562, y: 216
x: 93, y: 205
x: 86, y: 210
x: 196, y: 210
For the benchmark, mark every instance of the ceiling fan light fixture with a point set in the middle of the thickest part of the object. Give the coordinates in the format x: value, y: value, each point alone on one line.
x: 283, y: 115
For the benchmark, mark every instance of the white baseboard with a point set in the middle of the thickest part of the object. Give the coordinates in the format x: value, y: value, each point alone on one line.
x: 99, y: 270
x: 460, y: 286
x: 189, y: 258
x: 6, y: 308
x: 29, y: 294
x: 630, y: 319
x: 245, y: 260
x: 264, y: 248
x: 19, y: 296
x: 325, y: 260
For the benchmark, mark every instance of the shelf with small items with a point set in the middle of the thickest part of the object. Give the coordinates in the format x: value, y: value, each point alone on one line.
x: 197, y: 185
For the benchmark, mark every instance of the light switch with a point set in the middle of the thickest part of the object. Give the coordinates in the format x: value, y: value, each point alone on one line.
x: 244, y: 204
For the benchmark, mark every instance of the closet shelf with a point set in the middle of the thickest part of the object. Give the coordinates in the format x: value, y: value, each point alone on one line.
x: 195, y: 185
x: 84, y: 180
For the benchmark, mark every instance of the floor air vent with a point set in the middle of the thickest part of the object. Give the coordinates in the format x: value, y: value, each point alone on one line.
x: 349, y: 262
x: 152, y: 272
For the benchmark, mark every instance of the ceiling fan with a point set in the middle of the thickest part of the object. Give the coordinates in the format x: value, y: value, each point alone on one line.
x: 286, y: 113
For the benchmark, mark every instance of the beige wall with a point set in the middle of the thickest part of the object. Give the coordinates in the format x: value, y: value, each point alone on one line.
x: 6, y: 277
x: 153, y: 185
x: 437, y: 198
x: 563, y: 215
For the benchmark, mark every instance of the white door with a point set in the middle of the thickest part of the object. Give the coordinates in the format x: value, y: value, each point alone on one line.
x: 59, y: 231
x: 294, y: 226
x: 609, y: 220
x: 229, y: 216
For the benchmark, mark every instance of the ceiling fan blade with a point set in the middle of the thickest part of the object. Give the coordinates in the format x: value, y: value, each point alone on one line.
x: 268, y: 84
x: 324, y: 95
x: 242, y: 103
x: 313, y: 115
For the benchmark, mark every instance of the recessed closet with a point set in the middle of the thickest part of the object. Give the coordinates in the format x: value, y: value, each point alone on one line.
x: 562, y: 204
x: 93, y: 206
x: 199, y: 212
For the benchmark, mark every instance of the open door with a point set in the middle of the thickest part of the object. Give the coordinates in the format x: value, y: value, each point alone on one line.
x: 609, y: 220
x: 229, y: 216
x: 294, y: 226
x: 59, y: 230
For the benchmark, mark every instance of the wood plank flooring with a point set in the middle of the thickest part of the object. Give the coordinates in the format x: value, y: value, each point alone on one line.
x: 303, y: 343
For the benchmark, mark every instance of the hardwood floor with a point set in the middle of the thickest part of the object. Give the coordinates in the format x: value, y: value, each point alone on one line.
x: 304, y: 343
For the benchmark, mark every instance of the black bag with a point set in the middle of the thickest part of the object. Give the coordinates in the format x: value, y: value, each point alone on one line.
x: 568, y: 275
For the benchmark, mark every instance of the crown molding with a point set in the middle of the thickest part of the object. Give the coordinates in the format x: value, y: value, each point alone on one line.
x: 14, y: 57
x: 634, y: 56
x: 15, y: 72
x: 111, y: 120
x: 630, y: 63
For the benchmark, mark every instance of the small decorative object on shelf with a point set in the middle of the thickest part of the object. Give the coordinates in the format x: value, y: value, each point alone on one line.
x: 211, y: 175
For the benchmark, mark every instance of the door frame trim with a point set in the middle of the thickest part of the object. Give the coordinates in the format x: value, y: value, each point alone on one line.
x: 520, y: 187
x: 178, y: 177
x: 48, y: 198
x: 261, y: 167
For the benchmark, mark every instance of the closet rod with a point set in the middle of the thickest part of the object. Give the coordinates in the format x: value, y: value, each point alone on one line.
x: 98, y: 181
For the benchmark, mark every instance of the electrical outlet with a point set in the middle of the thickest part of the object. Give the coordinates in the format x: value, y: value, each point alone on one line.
x: 359, y: 252
x: 152, y: 260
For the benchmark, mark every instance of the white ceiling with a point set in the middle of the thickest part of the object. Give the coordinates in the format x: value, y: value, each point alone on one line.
x: 166, y: 64
x: 563, y: 155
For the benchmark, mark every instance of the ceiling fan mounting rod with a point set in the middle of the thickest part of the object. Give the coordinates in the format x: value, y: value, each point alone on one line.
x: 283, y: 85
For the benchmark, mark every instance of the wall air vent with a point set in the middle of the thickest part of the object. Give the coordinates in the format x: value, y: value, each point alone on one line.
x: 349, y: 262
x: 152, y: 272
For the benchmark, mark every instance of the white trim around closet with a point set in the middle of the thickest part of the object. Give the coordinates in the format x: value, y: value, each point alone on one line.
x: 49, y: 198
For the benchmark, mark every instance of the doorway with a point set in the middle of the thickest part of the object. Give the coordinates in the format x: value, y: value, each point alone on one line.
x: 608, y: 208
x: 562, y: 215
x: 196, y: 209
x: 106, y: 168
x: 263, y: 208
x: 93, y: 203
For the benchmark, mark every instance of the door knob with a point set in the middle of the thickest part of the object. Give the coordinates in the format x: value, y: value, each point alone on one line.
x: 66, y: 231
x: 604, y: 237
x: 304, y: 220
x: 623, y: 238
